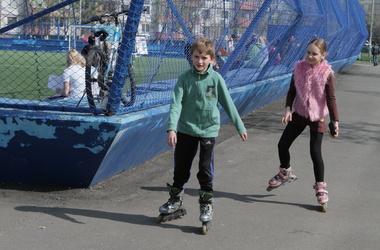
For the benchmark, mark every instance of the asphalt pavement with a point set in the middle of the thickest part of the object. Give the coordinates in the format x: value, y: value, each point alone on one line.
x: 120, y: 212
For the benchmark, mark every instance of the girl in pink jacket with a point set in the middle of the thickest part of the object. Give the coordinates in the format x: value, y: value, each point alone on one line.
x: 311, y: 97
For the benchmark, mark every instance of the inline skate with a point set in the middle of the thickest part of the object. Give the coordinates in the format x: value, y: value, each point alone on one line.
x: 285, y: 175
x: 321, y: 193
x: 206, y: 205
x: 172, y: 209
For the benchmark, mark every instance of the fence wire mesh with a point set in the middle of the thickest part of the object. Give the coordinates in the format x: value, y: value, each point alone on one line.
x: 136, y: 49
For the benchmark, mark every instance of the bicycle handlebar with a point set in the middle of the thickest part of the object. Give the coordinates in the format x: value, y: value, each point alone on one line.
x: 99, y: 18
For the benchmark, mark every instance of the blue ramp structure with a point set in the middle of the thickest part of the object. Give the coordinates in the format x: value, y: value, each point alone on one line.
x: 78, y: 142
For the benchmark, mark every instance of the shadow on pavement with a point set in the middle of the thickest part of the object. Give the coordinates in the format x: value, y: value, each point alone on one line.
x: 137, y: 219
x: 247, y: 198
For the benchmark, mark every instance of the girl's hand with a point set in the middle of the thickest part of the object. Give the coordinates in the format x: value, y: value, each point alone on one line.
x: 171, y: 140
x: 336, y: 125
x: 244, y: 136
x: 287, y: 116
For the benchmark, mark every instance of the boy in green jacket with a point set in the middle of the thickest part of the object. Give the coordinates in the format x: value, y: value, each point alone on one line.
x: 194, y: 118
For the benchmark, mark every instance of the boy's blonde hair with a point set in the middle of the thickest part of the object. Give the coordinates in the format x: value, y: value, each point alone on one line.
x: 203, y: 45
x: 73, y: 57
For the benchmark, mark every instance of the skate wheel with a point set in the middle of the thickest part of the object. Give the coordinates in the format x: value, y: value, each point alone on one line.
x: 159, y: 219
x: 324, y: 208
x: 183, y: 212
x: 206, y: 227
x: 269, y: 188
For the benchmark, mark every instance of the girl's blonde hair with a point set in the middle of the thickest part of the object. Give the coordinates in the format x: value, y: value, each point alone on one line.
x: 204, y: 45
x: 321, y: 44
x: 73, y: 57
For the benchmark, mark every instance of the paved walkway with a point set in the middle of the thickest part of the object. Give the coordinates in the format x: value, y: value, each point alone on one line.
x: 120, y: 212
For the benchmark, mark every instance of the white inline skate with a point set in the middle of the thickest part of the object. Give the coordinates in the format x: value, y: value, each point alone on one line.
x: 206, y: 205
x: 172, y: 209
x: 285, y: 175
x: 321, y: 193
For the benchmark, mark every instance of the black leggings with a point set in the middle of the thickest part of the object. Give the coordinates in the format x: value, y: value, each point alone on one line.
x: 291, y: 132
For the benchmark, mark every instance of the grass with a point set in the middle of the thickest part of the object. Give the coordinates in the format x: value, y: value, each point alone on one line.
x: 24, y: 75
x: 365, y: 58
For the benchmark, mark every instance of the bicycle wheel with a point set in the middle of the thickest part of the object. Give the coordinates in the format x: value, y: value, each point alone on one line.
x: 130, y: 97
x: 96, y: 63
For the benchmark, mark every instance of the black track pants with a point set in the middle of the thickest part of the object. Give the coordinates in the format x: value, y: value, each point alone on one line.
x: 185, y: 151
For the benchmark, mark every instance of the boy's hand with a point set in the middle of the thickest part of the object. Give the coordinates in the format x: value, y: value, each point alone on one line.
x: 287, y: 116
x: 171, y: 140
x: 244, y: 136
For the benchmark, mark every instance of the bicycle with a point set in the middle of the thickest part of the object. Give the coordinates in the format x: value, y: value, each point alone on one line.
x: 102, y: 55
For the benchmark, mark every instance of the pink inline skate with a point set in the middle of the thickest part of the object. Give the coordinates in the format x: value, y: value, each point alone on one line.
x: 321, y: 193
x: 285, y: 175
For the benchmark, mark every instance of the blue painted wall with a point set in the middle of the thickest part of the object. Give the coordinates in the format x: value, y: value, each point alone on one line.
x: 81, y: 150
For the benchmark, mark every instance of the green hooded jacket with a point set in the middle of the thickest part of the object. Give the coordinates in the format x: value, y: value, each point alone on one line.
x: 194, y: 109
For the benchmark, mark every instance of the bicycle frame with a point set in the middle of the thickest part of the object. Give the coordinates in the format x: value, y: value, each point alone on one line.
x: 110, y: 50
x: 116, y: 36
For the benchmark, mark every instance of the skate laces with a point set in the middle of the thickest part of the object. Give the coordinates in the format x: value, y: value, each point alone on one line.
x: 172, y: 202
x: 206, y: 209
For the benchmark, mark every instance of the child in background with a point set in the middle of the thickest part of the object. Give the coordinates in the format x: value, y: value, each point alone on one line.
x: 74, y: 80
x: 73, y: 76
x: 375, y: 51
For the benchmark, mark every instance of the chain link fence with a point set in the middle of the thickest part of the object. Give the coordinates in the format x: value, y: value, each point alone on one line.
x: 134, y: 50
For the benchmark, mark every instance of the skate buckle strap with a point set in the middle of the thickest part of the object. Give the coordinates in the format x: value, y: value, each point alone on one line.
x: 322, y: 196
x: 321, y: 191
x: 320, y: 188
x: 280, y: 176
